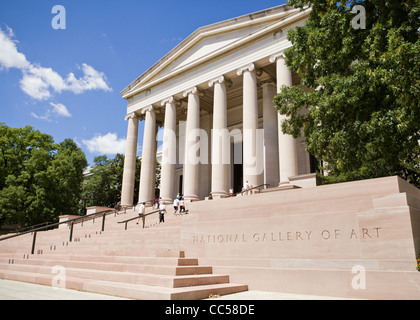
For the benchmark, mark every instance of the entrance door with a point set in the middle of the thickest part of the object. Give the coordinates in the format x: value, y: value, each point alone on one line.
x: 238, y: 173
x: 180, y: 184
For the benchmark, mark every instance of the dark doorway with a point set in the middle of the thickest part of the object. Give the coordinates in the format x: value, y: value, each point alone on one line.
x: 238, y: 179
x: 180, y: 184
x: 314, y: 164
x: 238, y: 173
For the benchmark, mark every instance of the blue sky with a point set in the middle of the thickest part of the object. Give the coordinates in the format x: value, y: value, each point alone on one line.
x: 67, y: 82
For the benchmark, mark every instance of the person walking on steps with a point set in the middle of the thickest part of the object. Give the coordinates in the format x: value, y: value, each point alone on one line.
x: 141, y: 212
x: 176, y: 205
x: 162, y: 213
x: 246, y: 188
x: 181, y: 206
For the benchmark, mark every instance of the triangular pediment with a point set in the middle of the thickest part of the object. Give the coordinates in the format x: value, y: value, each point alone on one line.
x: 208, y: 41
x: 208, y: 45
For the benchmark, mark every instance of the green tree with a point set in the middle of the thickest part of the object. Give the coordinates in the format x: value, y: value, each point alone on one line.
x: 39, y: 180
x: 361, y: 114
x: 66, y: 169
x: 103, y: 187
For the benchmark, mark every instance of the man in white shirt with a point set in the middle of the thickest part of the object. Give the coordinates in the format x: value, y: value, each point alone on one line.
x: 162, y: 213
x: 176, y: 205
x: 181, y: 206
x: 231, y: 192
x: 246, y: 187
x: 142, y: 209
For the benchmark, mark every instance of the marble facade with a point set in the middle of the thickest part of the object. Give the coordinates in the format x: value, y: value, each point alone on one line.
x: 213, y: 96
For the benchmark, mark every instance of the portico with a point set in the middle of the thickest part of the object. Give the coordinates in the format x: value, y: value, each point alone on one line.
x: 213, y: 96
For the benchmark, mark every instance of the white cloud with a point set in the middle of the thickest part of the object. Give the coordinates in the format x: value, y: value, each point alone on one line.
x: 39, y: 82
x: 60, y: 109
x: 35, y: 87
x: 57, y: 108
x: 108, y: 144
x: 45, y: 117
x: 9, y: 55
x: 92, y: 80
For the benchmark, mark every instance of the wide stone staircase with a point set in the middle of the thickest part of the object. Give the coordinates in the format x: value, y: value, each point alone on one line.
x: 136, y: 263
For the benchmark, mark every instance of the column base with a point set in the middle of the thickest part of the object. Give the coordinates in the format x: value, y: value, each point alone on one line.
x: 306, y: 180
x: 286, y: 185
x: 219, y: 195
x: 127, y: 204
x: 191, y: 198
x: 148, y: 203
x: 166, y: 201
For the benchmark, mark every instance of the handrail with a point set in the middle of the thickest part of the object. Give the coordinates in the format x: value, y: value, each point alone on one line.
x: 23, y: 229
x: 257, y: 187
x: 139, y: 216
x: 70, y: 222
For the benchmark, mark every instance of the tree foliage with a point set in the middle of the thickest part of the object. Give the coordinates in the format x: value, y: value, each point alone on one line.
x: 39, y: 180
x: 103, y: 186
x: 361, y: 114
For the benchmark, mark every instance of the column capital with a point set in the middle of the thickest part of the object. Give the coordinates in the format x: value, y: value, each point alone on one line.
x: 220, y: 80
x: 147, y: 109
x: 276, y: 56
x: 171, y: 99
x: 251, y: 68
x: 193, y: 90
x: 132, y: 115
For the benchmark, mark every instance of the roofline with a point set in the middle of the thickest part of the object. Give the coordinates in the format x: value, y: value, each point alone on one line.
x: 197, y: 35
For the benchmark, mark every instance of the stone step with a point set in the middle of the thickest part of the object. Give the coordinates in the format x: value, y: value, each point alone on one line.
x: 149, y: 293
x: 134, y: 263
x: 103, y: 239
x: 54, y: 258
x: 144, y: 275
x: 144, y: 287
x: 114, y: 269
x: 139, y: 265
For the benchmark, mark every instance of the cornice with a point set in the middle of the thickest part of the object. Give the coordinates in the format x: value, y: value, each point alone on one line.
x: 238, y: 23
x: 141, y: 84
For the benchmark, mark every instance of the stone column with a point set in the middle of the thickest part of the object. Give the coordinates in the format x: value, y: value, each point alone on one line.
x: 191, y: 165
x: 148, y: 162
x: 220, y: 139
x: 127, y: 192
x: 169, y: 152
x: 253, y: 159
x: 287, y: 144
x: 271, y: 136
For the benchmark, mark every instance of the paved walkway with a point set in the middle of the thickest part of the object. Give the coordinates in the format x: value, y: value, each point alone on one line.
x: 262, y: 295
x: 14, y: 290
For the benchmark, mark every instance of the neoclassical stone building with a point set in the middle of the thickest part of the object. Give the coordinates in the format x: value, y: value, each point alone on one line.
x: 213, y: 96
